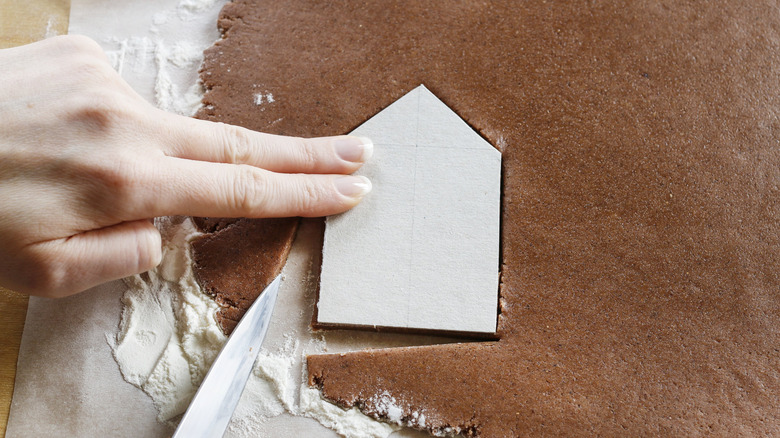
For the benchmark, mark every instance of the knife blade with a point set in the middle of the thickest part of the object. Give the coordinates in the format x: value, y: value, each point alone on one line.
x: 212, y: 407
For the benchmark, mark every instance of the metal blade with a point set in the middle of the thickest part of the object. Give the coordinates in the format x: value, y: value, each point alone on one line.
x: 210, y: 410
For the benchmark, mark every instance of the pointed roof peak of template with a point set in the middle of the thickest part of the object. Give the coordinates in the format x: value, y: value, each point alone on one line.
x: 430, y: 122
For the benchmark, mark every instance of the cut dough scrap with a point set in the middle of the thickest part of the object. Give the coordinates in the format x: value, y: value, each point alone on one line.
x: 234, y: 261
x: 421, y: 252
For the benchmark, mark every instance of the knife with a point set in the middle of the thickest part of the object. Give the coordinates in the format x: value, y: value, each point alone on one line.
x: 210, y: 410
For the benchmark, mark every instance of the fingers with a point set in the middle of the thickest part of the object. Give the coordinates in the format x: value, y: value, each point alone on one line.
x: 67, y: 266
x: 217, y: 142
x: 199, y: 188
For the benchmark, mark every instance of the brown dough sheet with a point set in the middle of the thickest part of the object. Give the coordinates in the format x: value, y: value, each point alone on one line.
x: 237, y: 258
x: 640, y: 242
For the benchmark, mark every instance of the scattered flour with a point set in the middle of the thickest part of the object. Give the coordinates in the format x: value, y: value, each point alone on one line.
x: 261, y: 98
x: 388, y: 407
x: 196, y: 5
x: 350, y: 423
x: 168, y: 337
x: 159, y: 18
x: 163, y: 63
x: 169, y: 96
x: 132, y: 55
x: 275, y: 369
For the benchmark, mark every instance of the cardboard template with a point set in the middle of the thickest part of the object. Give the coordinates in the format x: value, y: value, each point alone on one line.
x: 422, y: 250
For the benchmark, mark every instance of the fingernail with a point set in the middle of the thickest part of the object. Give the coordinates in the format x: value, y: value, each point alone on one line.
x: 354, y: 149
x: 353, y: 186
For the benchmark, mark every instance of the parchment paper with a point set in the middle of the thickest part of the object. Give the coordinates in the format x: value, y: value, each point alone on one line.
x: 67, y: 383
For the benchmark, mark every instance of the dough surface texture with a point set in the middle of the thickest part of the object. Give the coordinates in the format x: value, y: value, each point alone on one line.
x: 641, y: 200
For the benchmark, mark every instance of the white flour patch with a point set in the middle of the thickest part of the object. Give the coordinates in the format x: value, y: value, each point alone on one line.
x: 350, y: 423
x: 168, y: 338
x: 388, y: 407
x: 162, y: 63
x: 167, y: 335
x: 168, y: 94
x: 135, y: 54
x: 196, y: 5
x: 261, y: 98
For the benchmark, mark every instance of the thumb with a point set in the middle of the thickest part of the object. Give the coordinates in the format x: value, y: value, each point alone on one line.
x: 88, y: 259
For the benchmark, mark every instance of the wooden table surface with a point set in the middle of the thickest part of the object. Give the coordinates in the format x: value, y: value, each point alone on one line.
x: 21, y: 22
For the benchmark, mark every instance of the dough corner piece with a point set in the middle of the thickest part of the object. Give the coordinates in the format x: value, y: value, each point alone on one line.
x: 235, y: 259
x: 406, y: 388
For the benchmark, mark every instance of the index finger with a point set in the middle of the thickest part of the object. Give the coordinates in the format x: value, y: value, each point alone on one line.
x: 222, y: 143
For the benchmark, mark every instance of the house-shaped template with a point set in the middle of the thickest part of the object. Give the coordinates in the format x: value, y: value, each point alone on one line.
x: 421, y: 251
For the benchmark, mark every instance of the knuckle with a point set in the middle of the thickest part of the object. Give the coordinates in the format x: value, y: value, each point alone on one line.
x: 90, y: 71
x: 249, y: 188
x: 115, y: 186
x: 45, y: 276
x: 311, y: 197
x: 238, y: 144
x: 70, y: 44
x: 308, y: 152
x: 125, y: 184
x: 100, y: 109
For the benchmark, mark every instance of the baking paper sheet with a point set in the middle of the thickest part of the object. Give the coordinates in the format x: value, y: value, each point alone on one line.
x: 67, y: 383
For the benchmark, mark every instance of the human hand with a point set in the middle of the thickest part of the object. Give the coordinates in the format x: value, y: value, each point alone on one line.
x: 85, y: 162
